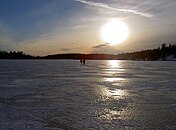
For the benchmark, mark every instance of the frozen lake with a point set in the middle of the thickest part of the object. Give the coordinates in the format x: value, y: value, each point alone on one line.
x: 102, y: 95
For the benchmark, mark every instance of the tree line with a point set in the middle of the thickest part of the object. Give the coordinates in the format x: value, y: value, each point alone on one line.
x: 15, y: 55
x: 151, y: 54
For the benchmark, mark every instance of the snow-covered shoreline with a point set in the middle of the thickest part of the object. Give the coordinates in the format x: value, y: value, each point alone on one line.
x: 168, y: 58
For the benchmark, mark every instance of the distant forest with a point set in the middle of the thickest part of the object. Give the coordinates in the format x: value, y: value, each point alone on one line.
x: 151, y: 54
x: 160, y: 53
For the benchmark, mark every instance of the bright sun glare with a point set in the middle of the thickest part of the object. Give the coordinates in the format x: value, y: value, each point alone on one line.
x: 114, y: 32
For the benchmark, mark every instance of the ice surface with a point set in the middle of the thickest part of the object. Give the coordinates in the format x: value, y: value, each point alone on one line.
x: 63, y: 95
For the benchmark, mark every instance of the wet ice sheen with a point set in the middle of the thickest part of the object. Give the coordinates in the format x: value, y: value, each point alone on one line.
x: 63, y: 95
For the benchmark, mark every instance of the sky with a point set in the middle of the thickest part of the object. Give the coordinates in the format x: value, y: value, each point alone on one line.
x: 43, y: 27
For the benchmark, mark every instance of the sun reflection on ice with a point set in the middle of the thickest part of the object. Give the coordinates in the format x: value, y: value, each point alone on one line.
x: 116, y: 93
x: 114, y: 66
x: 109, y: 114
x: 114, y: 63
x: 114, y: 69
x: 114, y: 79
x: 113, y: 93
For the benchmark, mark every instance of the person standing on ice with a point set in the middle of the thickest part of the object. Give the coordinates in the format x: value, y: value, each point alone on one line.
x: 84, y: 61
x: 81, y: 61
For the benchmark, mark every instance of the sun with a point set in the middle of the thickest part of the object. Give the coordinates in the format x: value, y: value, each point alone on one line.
x: 114, y: 32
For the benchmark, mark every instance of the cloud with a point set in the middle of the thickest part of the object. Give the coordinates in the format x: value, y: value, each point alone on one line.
x: 157, y: 7
x: 104, y: 48
x: 106, y: 6
x: 100, y: 46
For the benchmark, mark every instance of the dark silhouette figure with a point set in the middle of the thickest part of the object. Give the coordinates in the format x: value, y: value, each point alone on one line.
x: 84, y: 61
x: 81, y: 61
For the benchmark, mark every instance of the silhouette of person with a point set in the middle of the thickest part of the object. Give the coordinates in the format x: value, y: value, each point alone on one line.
x: 81, y: 61
x: 84, y: 61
